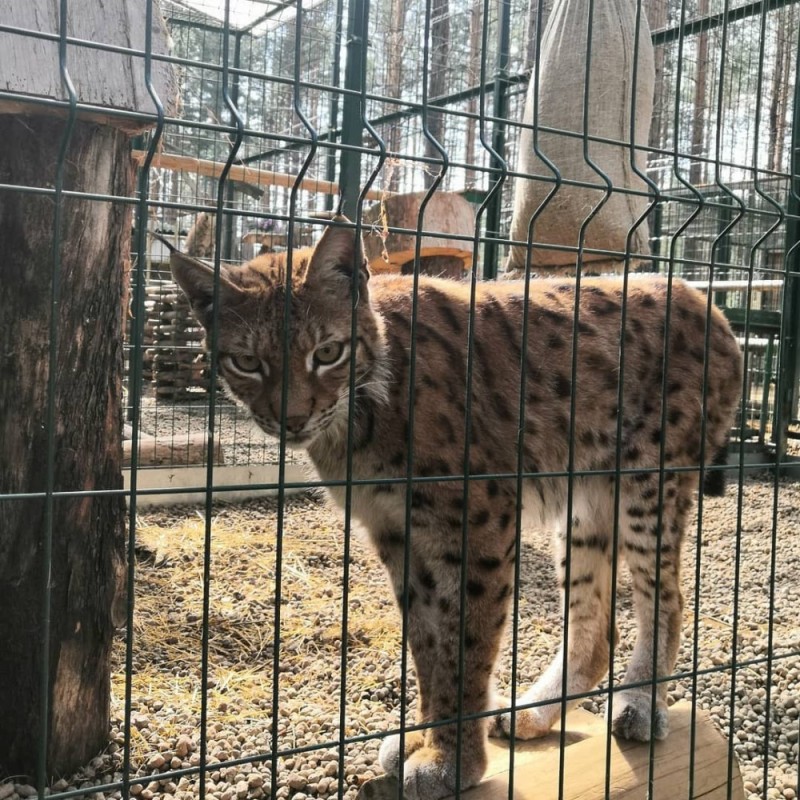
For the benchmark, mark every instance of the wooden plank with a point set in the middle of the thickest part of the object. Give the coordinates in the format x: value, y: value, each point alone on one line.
x: 251, y: 480
x: 536, y: 768
x: 29, y: 65
x: 585, y: 768
x: 238, y: 172
x: 581, y: 724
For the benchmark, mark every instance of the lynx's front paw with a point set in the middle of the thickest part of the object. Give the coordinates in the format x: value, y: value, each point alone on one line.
x: 632, y: 718
x: 429, y: 774
x: 389, y: 754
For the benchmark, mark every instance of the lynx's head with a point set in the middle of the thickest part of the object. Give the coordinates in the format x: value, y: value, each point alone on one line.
x: 260, y: 308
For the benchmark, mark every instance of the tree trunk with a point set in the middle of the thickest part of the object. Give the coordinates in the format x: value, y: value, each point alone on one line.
x: 538, y: 14
x: 657, y: 19
x: 394, y: 80
x: 697, y: 169
x: 779, y: 102
x: 437, y: 83
x: 86, y: 570
x: 475, y: 19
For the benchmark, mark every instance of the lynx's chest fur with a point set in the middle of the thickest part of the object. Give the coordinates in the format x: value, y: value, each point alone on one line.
x: 448, y: 417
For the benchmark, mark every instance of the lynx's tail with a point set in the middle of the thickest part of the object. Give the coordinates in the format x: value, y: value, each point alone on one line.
x: 714, y: 481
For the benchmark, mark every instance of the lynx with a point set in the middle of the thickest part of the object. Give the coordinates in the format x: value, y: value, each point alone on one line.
x: 453, y: 535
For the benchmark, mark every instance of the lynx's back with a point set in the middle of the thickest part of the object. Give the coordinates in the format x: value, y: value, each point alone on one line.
x: 545, y: 384
x: 447, y: 416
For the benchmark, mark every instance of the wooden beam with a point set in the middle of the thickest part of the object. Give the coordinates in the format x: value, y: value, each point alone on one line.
x: 238, y: 172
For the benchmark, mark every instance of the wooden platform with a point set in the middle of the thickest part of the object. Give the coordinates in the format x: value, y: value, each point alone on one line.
x: 536, y: 765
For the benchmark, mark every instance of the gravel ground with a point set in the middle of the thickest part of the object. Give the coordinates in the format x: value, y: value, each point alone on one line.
x: 167, y: 646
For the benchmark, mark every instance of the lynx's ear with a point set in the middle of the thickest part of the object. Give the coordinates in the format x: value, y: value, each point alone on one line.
x: 336, y: 256
x: 196, y: 278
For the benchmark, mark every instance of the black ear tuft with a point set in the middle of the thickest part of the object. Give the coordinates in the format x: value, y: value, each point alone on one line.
x: 196, y: 279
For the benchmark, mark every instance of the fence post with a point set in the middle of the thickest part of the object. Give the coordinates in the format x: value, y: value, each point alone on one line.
x: 333, y: 133
x: 497, y: 160
x: 352, y: 126
x: 230, y: 189
x: 790, y: 314
x: 725, y: 215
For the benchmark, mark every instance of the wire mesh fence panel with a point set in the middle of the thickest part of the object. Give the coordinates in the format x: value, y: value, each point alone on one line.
x: 270, y: 301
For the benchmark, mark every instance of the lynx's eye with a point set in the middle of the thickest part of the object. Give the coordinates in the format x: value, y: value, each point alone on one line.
x: 328, y: 353
x: 246, y: 363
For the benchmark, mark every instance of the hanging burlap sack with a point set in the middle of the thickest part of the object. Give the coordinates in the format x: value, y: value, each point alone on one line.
x: 613, y: 83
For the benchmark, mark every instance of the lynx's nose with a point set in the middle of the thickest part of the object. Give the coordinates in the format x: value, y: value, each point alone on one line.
x: 295, y: 424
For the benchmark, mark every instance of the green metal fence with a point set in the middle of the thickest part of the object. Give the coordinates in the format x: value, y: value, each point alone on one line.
x: 257, y: 651
x: 728, y: 217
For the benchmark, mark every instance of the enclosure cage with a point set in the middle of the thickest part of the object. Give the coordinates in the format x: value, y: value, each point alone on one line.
x: 251, y: 646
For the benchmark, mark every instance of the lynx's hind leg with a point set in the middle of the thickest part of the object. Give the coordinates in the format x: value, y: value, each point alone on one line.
x: 588, y: 597
x: 631, y: 708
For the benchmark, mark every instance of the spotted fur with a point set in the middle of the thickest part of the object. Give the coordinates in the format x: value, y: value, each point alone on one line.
x: 661, y: 423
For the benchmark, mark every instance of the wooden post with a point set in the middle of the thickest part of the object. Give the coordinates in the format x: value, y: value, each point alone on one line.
x: 536, y: 765
x: 64, y: 713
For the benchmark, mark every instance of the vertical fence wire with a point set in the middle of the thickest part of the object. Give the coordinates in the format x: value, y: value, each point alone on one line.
x: 135, y: 388
x: 357, y: 280
x: 622, y: 376
x: 228, y: 100
x: 488, y: 207
x: 752, y: 263
x: 522, y: 467
x: 411, y: 429
x: 573, y: 395
x: 790, y: 297
x: 671, y: 264
x: 718, y: 242
x: 789, y: 322
x: 286, y: 353
x: 50, y: 412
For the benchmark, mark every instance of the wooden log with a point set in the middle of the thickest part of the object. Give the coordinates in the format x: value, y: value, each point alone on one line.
x: 260, y: 177
x: 179, y: 451
x: 445, y: 213
x: 536, y: 765
x: 29, y: 65
x: 62, y: 572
